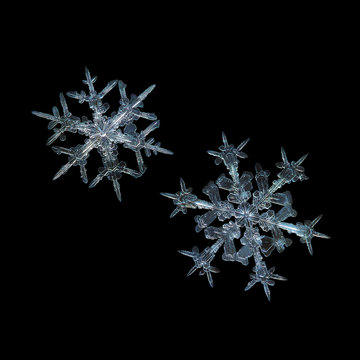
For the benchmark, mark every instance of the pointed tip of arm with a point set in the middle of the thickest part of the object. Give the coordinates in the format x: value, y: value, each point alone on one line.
x: 87, y: 74
x: 315, y: 233
x: 116, y: 186
x: 147, y: 91
x: 186, y: 253
x: 64, y: 104
x: 168, y: 195
x: 283, y: 156
x: 96, y: 180
x: 192, y: 270
x: 210, y: 279
x: 250, y: 285
x: 267, y: 291
x: 44, y: 116
x: 301, y: 160
x: 316, y: 220
x: 108, y: 88
x: 39, y: 114
x: 322, y: 236
x: 92, y: 184
x: 175, y: 212
x: 182, y: 184
x: 243, y: 144
x: 63, y: 169
x: 165, y: 151
x: 143, y: 96
x: 309, y: 246
x: 153, y: 126
x: 214, y: 153
x: 58, y: 174
x: 224, y: 138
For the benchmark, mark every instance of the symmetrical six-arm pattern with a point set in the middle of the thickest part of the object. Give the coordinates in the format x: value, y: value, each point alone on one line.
x: 247, y: 210
x: 104, y: 132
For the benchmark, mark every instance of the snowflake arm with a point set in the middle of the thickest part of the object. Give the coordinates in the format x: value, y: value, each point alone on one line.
x: 203, y: 260
x: 184, y: 199
x: 265, y: 277
x: 305, y: 231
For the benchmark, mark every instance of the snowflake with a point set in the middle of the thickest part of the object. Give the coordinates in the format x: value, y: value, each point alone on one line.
x: 104, y: 132
x: 247, y: 210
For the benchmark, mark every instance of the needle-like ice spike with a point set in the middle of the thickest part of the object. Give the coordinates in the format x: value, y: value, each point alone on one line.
x: 143, y: 96
x: 53, y: 137
x: 241, y: 146
x: 283, y: 156
x: 45, y: 116
x: 182, y: 184
x: 83, y: 174
x: 117, y: 189
x: 315, y: 221
x: 61, y: 150
x: 90, y: 81
x: 176, y: 210
x: 301, y: 160
x: 64, y: 105
x: 224, y: 139
x: 250, y: 284
x: 168, y: 195
x: 63, y: 169
x: 151, y: 127
x: 107, y: 88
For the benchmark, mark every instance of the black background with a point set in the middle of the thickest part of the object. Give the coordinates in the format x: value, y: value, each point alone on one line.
x: 85, y: 263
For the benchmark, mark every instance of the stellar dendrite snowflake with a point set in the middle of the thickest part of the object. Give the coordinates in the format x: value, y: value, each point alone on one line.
x: 247, y: 210
x: 104, y: 132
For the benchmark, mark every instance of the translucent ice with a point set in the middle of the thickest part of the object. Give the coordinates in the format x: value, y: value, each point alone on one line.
x: 104, y: 132
x: 245, y: 213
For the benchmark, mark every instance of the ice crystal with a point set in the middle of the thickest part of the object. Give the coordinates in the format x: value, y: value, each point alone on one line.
x: 104, y: 132
x: 245, y: 213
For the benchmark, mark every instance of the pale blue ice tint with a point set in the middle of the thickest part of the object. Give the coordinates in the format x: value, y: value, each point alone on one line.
x: 245, y: 212
x: 104, y: 132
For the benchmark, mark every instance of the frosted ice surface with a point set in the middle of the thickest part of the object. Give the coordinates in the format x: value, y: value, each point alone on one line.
x: 245, y: 212
x: 104, y: 132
